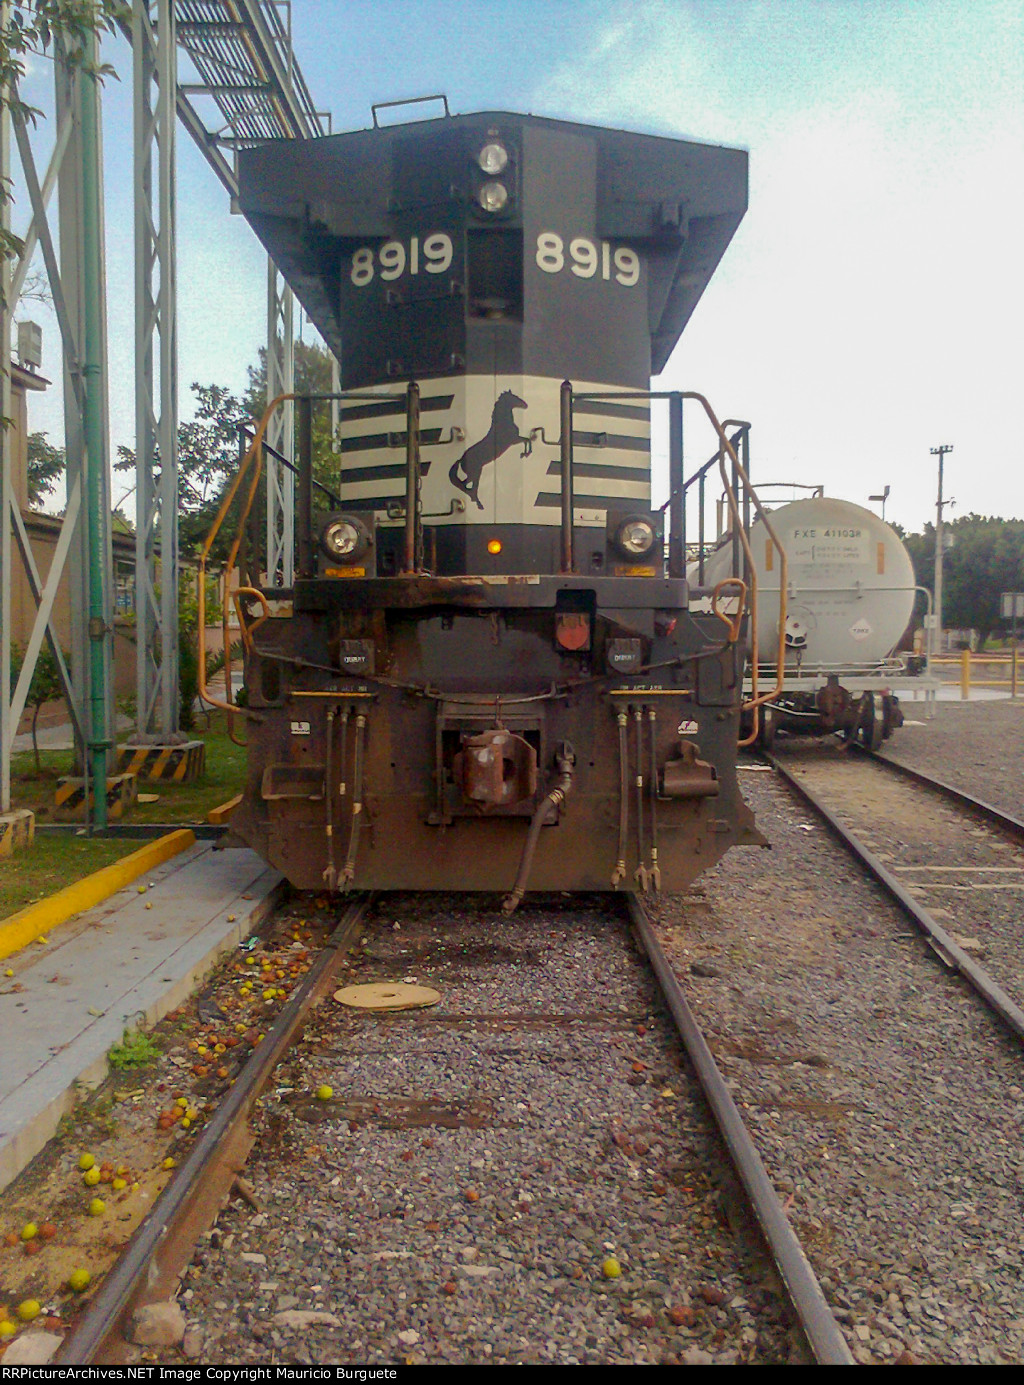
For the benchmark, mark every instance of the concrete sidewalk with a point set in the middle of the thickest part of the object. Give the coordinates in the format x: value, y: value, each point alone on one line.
x: 115, y: 966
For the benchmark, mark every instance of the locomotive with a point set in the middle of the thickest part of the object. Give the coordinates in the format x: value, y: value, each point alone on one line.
x: 488, y: 673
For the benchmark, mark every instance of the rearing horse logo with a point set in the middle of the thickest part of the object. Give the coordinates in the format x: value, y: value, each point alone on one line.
x: 502, y: 434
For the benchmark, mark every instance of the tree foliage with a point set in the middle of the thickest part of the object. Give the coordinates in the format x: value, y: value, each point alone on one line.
x: 984, y: 557
x: 46, y: 465
x: 208, y: 447
x: 44, y: 687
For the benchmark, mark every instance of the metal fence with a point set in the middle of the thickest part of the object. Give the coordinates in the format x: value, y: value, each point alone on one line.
x: 1000, y: 671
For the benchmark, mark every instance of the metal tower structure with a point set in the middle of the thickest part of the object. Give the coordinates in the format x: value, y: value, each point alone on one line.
x: 156, y: 372
x: 76, y: 289
x: 245, y: 87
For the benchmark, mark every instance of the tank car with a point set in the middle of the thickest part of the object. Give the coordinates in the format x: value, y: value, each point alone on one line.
x: 851, y: 591
x: 485, y: 676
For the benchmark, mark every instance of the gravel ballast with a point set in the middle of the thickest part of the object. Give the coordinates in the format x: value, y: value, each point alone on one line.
x: 524, y: 1173
x: 456, y: 1198
x: 886, y: 1102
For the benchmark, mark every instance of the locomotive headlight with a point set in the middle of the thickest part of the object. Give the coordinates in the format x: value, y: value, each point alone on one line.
x: 493, y: 158
x: 635, y: 537
x: 344, y: 538
x: 493, y: 196
x: 340, y: 538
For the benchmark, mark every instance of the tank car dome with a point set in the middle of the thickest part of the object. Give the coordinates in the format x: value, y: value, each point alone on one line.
x: 850, y: 584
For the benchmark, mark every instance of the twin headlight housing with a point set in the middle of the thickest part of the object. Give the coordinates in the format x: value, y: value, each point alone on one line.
x: 492, y: 160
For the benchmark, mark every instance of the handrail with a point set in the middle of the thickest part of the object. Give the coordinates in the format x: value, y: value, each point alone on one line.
x: 254, y: 450
x: 725, y: 445
x: 248, y: 631
x: 731, y: 622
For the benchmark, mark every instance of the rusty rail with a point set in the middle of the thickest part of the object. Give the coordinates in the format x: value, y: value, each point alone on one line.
x: 162, y: 1243
x: 823, y: 1333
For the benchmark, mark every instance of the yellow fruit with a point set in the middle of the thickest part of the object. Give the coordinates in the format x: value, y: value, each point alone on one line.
x: 182, y: 1101
x: 324, y: 1093
x: 611, y: 1269
x: 169, y: 1163
x: 142, y: 889
x: 86, y: 1162
x: 29, y: 1231
x: 7, y: 1329
x: 9, y: 971
x: 91, y: 1177
x: 119, y: 1184
x: 97, y: 1207
x: 79, y: 1280
x: 28, y: 1309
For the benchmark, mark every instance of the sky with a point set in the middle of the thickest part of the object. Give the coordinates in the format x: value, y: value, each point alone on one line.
x: 870, y: 306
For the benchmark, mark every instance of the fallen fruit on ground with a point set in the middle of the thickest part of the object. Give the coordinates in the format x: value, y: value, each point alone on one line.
x: 97, y: 1207
x: 611, y: 1269
x: 7, y: 1329
x: 91, y: 1177
x: 324, y: 1093
x: 28, y: 1309
x: 79, y: 1280
x: 29, y: 1231
x: 86, y: 1162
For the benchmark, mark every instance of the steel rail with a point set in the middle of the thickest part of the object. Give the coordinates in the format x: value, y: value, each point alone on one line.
x: 823, y: 1333
x: 942, y: 942
x: 135, y: 1269
x: 977, y: 805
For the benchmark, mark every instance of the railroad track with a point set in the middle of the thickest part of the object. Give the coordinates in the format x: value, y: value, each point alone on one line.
x: 952, y: 862
x: 598, y: 1208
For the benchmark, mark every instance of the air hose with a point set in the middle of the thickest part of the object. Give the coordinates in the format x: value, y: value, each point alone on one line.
x: 565, y: 759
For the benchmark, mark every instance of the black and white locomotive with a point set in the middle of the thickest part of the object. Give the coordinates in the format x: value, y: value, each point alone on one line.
x: 489, y: 673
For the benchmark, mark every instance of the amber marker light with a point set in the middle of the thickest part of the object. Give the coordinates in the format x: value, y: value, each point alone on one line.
x: 494, y: 546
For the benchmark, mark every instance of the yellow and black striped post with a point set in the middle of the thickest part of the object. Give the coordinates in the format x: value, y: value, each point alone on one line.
x: 17, y: 830
x: 69, y: 800
x: 181, y: 764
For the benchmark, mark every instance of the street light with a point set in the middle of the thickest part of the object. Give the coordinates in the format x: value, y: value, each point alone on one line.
x: 939, y: 452
x: 883, y: 498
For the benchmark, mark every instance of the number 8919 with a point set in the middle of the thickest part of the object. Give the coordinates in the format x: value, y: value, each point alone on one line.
x: 587, y: 259
x: 433, y: 254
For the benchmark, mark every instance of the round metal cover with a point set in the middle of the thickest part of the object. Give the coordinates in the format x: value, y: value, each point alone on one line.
x: 387, y: 995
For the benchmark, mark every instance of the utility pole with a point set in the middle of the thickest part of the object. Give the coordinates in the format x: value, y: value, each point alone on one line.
x: 939, y: 452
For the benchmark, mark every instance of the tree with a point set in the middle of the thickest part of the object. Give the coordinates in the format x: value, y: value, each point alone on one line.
x: 207, y: 459
x: 985, y: 557
x: 44, y: 687
x: 313, y: 375
x: 46, y: 465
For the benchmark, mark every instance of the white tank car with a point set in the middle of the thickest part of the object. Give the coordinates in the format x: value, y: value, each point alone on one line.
x: 850, y: 585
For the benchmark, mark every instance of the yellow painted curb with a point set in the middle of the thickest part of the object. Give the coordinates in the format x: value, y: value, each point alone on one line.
x: 223, y: 811
x: 36, y: 919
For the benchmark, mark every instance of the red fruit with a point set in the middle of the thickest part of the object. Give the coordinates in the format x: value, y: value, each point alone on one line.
x: 47, y: 1231
x: 32, y: 1247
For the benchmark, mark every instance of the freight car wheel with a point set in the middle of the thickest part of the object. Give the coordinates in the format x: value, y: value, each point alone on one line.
x: 872, y: 721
